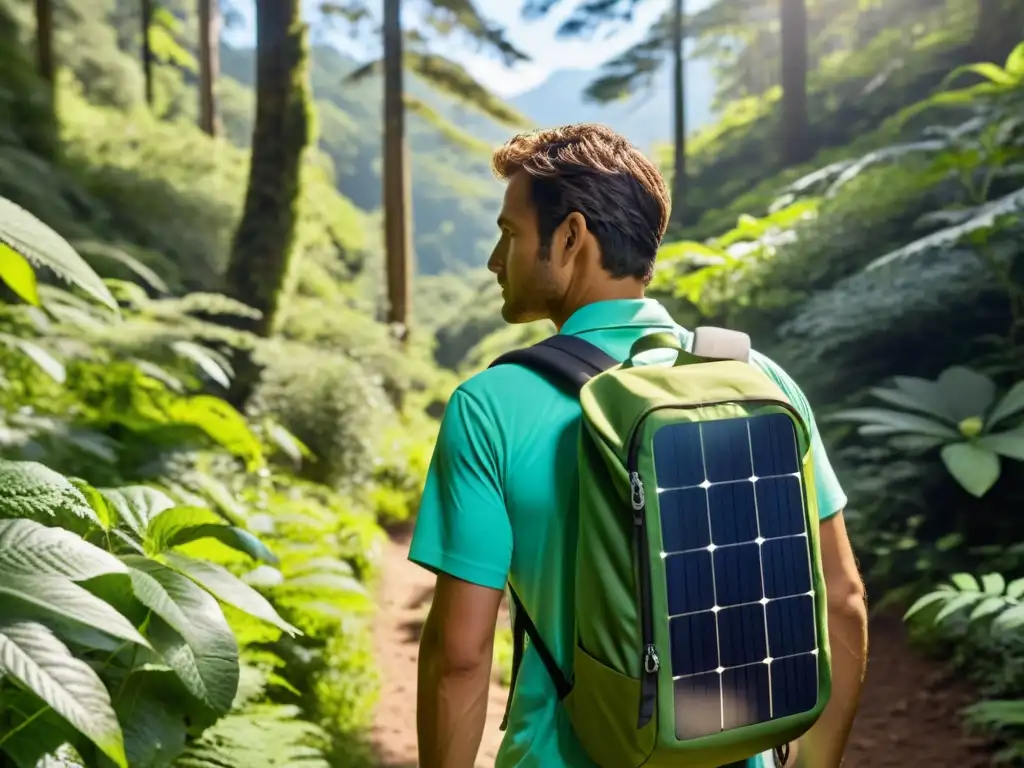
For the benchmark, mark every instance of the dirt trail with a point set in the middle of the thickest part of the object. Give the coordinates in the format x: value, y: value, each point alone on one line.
x: 908, y: 716
x: 403, y: 601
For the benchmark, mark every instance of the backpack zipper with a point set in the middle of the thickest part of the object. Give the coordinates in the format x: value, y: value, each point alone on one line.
x: 651, y: 662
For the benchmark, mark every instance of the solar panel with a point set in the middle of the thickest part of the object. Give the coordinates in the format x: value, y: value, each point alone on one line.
x: 737, y: 563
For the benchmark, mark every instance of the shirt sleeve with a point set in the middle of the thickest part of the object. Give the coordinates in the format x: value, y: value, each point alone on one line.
x: 462, y: 527
x: 831, y: 498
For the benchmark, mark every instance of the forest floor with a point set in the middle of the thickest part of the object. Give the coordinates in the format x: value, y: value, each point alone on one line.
x: 909, y: 713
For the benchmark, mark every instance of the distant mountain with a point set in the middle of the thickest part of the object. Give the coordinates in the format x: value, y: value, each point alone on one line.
x: 645, y: 118
x: 455, y: 198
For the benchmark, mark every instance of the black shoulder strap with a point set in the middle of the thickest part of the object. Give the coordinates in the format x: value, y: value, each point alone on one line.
x: 571, y: 362
x: 568, y: 359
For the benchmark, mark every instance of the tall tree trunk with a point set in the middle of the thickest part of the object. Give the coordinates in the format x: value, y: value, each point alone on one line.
x: 261, y: 254
x: 147, y: 52
x: 44, y: 39
x: 795, y: 138
x: 679, y: 115
x: 397, y: 232
x: 209, y: 65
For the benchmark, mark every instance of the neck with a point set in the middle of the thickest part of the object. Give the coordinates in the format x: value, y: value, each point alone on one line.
x: 611, y: 290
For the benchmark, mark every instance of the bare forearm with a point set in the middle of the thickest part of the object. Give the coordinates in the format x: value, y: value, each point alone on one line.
x: 451, y: 712
x: 823, y: 745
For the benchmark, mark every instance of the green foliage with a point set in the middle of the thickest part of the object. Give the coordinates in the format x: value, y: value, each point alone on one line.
x: 23, y: 238
x: 176, y: 596
x: 958, y: 413
x: 997, y: 82
x: 704, y: 274
x: 849, y: 94
x: 990, y: 599
x: 55, y: 624
x: 986, y: 613
x: 329, y: 404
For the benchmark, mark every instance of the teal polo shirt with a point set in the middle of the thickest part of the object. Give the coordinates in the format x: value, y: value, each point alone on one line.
x: 500, y: 499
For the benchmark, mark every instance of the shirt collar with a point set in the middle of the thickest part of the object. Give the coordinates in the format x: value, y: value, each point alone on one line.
x: 617, y: 313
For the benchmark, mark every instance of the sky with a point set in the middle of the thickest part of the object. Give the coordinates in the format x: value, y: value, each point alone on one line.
x: 548, y: 53
x: 536, y: 39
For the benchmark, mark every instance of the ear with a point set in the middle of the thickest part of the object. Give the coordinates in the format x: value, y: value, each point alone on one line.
x: 574, y: 233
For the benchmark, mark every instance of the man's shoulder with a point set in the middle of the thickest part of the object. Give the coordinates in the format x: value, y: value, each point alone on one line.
x: 506, y: 392
x: 502, y: 382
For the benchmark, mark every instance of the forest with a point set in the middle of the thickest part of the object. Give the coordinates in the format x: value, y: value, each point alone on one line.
x: 240, y: 283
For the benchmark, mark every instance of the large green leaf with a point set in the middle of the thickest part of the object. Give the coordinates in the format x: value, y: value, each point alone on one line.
x: 931, y: 405
x: 896, y: 421
x: 1011, y: 404
x: 28, y: 548
x: 170, y: 523
x: 40, y: 595
x: 136, y: 505
x: 1009, y: 444
x: 192, y: 635
x: 18, y: 274
x: 958, y: 393
x: 31, y: 490
x: 96, y: 501
x: 1015, y: 62
x: 976, y: 469
x: 28, y: 236
x: 970, y: 392
x: 30, y: 653
x: 153, y: 717
x: 181, y: 525
x: 228, y: 588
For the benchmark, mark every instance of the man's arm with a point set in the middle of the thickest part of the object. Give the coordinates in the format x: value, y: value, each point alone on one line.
x: 464, y: 536
x: 456, y: 650
x: 823, y: 745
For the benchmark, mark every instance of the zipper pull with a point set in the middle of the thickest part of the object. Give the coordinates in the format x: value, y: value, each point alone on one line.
x: 637, y: 491
x: 651, y: 661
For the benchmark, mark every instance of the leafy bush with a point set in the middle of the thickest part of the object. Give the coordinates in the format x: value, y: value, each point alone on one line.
x: 137, y: 606
x: 331, y: 405
x: 146, y: 619
x: 983, y: 616
x: 958, y: 412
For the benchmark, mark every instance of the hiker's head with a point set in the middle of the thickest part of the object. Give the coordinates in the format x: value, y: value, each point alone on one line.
x: 583, y: 216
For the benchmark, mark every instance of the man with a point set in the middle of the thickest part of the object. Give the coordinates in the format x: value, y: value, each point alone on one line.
x: 581, y: 222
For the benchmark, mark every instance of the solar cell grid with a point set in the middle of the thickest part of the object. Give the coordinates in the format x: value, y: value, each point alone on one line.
x: 737, y: 564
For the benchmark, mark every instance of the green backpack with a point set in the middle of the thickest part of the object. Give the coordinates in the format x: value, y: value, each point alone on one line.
x: 700, y: 616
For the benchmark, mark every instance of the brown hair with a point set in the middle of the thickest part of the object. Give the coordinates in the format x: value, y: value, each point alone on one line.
x: 592, y: 170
